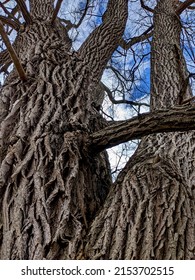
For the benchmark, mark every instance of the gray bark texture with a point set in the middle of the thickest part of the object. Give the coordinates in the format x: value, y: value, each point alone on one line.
x: 57, y: 200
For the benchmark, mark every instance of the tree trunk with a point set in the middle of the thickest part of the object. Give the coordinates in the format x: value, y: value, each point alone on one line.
x: 150, y: 211
x: 50, y: 185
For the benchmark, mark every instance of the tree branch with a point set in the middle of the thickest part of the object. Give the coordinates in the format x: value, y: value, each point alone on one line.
x: 72, y: 25
x: 184, y: 6
x: 10, y: 15
x: 122, y: 101
x: 10, y: 22
x: 98, y: 48
x: 12, y: 53
x: 176, y: 119
x: 56, y: 10
x: 146, y: 35
x: 24, y: 11
x: 146, y: 7
x: 83, y: 15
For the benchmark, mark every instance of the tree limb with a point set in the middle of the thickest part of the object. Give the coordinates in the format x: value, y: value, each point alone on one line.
x: 12, y: 53
x: 56, y: 10
x: 83, y: 15
x: 24, y: 11
x: 184, y: 5
x: 146, y: 7
x: 10, y: 15
x: 10, y: 22
x: 176, y: 119
x: 99, y: 46
x: 122, y: 101
x: 145, y: 35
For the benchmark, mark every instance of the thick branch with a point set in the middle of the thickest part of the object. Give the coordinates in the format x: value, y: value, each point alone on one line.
x: 24, y: 11
x: 12, y: 53
x: 184, y: 6
x: 176, y: 119
x: 102, y: 42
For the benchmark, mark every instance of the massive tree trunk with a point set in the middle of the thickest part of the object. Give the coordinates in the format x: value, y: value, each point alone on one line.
x: 51, y: 186
x: 150, y: 211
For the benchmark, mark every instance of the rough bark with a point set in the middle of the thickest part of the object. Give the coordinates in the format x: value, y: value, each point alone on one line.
x: 150, y: 211
x: 50, y: 186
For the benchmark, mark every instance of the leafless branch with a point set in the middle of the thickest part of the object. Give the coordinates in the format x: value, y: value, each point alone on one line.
x: 184, y: 5
x: 146, y: 7
x: 176, y: 119
x: 10, y: 15
x: 145, y: 35
x: 24, y: 11
x: 10, y: 22
x: 56, y: 10
x: 122, y: 101
x: 12, y: 53
x: 70, y: 25
x: 83, y: 15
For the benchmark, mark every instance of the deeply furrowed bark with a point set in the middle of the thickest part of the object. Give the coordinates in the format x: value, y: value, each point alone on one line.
x: 50, y: 186
x: 150, y: 211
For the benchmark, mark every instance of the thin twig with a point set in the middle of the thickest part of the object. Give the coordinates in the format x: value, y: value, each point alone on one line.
x: 12, y: 53
x: 122, y: 101
x: 76, y: 25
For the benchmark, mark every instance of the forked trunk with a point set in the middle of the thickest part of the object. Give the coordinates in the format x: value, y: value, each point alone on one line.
x: 150, y: 211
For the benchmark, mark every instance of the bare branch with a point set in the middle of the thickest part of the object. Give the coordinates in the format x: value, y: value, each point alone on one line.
x: 24, y: 11
x: 12, y: 53
x: 184, y: 5
x: 146, y: 35
x: 76, y: 25
x: 56, y: 10
x: 176, y: 119
x: 122, y: 101
x: 83, y: 15
x: 10, y: 22
x: 10, y: 15
x: 146, y: 7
